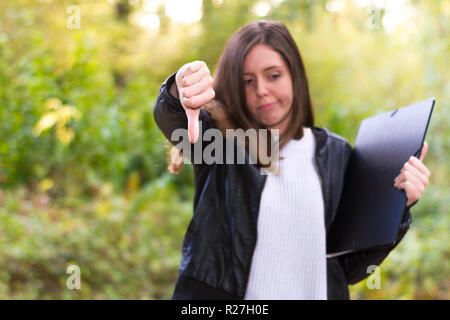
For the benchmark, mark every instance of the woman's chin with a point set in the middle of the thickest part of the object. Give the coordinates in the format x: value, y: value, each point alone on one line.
x: 271, y: 124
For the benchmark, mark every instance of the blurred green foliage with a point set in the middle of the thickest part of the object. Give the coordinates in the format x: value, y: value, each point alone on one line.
x: 83, y: 175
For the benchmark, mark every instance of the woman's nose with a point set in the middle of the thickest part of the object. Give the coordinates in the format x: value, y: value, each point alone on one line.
x: 261, y: 88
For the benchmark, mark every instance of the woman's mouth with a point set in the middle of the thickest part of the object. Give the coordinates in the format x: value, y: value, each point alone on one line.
x: 265, y: 107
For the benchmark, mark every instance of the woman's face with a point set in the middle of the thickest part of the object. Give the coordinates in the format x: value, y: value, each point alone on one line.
x: 268, y: 87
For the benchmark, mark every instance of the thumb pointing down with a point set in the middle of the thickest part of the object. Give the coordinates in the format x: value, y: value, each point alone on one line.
x: 193, y: 129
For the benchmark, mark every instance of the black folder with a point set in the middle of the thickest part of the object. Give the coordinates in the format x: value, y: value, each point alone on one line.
x: 371, y: 208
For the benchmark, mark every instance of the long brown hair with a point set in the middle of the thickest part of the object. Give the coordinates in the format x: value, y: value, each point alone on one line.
x: 229, y: 83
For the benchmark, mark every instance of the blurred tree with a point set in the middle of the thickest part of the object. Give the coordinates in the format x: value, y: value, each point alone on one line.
x: 123, y: 9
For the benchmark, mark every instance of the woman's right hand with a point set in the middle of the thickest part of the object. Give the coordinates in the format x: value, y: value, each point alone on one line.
x: 195, y: 89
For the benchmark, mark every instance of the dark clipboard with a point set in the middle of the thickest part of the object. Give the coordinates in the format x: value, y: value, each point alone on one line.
x: 371, y: 208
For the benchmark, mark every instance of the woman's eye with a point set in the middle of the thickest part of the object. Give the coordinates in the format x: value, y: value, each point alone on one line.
x: 247, y: 81
x: 274, y: 76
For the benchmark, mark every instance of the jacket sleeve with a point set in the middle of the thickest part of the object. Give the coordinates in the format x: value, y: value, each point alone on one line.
x: 169, y: 116
x: 356, y: 265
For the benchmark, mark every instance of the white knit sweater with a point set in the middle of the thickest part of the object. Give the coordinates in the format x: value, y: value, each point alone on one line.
x: 289, y: 261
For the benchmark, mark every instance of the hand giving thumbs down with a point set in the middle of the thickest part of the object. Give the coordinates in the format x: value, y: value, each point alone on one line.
x: 195, y: 89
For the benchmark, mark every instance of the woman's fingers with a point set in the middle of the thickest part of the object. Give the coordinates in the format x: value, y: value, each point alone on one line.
x: 197, y: 88
x: 191, y: 67
x: 413, y: 161
x: 412, y: 186
x: 192, y: 78
x: 424, y: 151
x: 412, y: 192
x: 195, y: 85
x: 412, y: 174
x: 423, y: 178
x: 199, y: 100
x: 185, y: 70
x: 413, y: 177
x: 414, y: 180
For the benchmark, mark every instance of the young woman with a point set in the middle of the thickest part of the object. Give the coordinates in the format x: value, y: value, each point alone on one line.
x: 257, y: 236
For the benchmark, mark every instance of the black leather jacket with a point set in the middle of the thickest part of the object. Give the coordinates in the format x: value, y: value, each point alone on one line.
x: 221, y: 237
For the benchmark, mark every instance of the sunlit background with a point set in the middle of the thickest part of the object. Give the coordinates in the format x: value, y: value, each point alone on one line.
x: 83, y: 177
x: 397, y: 14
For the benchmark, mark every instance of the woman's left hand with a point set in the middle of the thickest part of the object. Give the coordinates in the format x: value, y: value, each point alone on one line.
x: 413, y: 177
